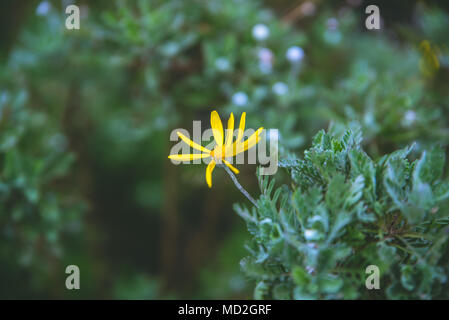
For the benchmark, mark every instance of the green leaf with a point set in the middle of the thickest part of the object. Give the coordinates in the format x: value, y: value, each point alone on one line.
x: 300, y: 276
x: 336, y: 192
x: 282, y: 291
x: 355, y: 192
x: 361, y: 164
x: 407, y: 280
x: 430, y: 167
x: 331, y: 283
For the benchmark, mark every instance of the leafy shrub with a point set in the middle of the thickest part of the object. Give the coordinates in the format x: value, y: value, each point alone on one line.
x: 343, y: 212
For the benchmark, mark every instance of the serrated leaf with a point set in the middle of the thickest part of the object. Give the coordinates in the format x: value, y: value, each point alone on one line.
x: 355, y: 192
x: 336, y: 192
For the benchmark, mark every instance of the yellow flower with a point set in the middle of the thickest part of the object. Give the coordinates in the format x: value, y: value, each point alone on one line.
x: 221, y: 150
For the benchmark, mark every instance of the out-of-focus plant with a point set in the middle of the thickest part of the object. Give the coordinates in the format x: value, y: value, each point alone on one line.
x: 36, y: 214
x: 343, y: 74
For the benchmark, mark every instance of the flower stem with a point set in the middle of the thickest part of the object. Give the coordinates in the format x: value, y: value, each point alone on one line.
x: 237, y: 184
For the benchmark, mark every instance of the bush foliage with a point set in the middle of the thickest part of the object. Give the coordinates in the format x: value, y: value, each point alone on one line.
x: 343, y: 212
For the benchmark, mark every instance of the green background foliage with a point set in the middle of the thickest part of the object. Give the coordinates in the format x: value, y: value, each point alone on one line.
x: 85, y: 119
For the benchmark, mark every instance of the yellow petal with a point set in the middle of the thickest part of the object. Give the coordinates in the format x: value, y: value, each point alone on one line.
x: 194, y: 145
x: 230, y: 133
x: 234, y: 169
x: 249, y: 143
x: 231, y: 149
x: 217, y: 127
x: 209, y: 169
x: 188, y: 157
x: 241, y: 127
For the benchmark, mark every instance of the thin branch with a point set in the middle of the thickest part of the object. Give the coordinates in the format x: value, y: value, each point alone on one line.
x: 237, y: 184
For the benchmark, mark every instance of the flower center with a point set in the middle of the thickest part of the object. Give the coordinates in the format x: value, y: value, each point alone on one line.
x: 218, y: 152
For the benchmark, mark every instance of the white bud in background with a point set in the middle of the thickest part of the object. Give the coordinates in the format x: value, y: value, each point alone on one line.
x: 310, y: 270
x: 332, y: 24
x: 265, y: 60
x: 295, y: 54
x: 265, y: 55
x: 280, y: 88
x: 409, y: 118
x: 260, y: 32
x: 222, y: 64
x: 240, y: 99
x: 310, y: 234
x: 43, y: 8
x: 312, y: 245
x: 308, y: 8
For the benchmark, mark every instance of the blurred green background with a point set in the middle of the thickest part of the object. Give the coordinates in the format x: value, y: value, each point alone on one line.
x: 85, y: 119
